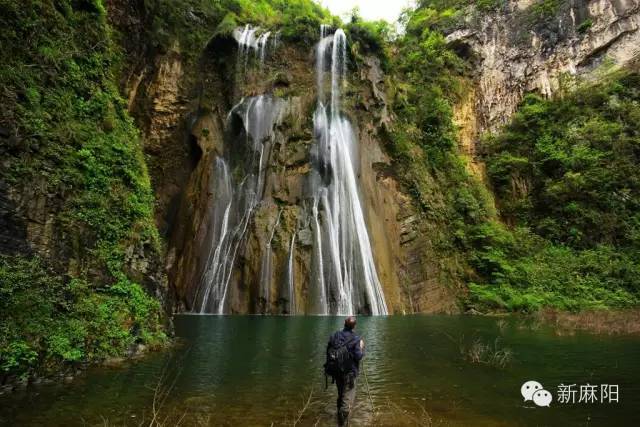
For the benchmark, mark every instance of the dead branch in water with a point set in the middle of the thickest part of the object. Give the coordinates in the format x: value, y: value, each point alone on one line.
x: 306, y: 406
x: 163, y: 388
x: 402, y: 417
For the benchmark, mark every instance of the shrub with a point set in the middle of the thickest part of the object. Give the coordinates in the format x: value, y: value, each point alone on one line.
x: 47, y: 321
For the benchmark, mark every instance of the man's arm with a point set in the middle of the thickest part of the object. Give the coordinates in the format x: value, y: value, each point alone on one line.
x: 358, y: 350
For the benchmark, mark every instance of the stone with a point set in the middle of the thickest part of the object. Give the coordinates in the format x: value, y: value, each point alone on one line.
x: 517, y: 57
x: 305, y: 237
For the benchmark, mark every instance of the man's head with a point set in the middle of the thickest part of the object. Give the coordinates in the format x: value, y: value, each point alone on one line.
x: 350, y: 323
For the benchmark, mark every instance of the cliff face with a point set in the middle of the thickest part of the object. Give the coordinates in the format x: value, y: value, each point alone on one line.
x: 81, y: 271
x: 523, y: 48
x: 49, y: 177
x: 183, y: 109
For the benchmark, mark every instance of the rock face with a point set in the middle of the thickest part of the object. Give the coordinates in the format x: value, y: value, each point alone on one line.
x: 265, y: 260
x: 184, y: 111
x: 523, y: 48
x: 38, y: 210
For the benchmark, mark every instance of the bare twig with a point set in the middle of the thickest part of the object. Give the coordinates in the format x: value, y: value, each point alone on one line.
x: 163, y: 390
x: 304, y: 408
x: 366, y: 381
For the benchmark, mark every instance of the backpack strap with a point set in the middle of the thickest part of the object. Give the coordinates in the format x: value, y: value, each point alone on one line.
x: 351, y: 340
x: 347, y: 343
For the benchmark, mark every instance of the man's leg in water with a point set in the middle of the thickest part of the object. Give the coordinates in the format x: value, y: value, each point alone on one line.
x: 346, y: 397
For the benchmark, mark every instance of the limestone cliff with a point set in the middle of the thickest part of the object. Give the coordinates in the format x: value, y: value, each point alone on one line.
x: 523, y: 47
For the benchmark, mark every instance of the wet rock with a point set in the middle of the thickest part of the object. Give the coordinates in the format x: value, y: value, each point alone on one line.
x: 113, y: 362
x: 305, y: 237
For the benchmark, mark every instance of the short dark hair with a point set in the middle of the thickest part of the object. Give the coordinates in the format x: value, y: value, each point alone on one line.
x: 350, y: 322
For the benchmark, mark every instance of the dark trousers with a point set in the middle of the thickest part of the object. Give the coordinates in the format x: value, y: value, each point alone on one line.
x: 346, y: 397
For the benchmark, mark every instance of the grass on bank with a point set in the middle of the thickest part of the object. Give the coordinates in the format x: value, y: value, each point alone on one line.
x: 609, y: 322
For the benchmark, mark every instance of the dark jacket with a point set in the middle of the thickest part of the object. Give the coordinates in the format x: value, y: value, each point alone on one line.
x: 346, y: 335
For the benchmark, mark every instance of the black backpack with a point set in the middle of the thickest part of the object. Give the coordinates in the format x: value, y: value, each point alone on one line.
x: 339, y: 359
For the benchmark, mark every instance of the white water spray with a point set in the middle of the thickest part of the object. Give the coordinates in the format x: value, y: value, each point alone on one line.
x: 349, y: 282
x: 251, y: 41
x: 291, y: 277
x: 267, y: 268
x: 234, y: 202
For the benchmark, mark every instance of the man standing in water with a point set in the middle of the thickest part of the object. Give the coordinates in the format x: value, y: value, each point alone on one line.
x: 344, y: 352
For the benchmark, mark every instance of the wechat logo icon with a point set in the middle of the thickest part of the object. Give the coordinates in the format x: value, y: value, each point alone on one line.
x: 533, y: 390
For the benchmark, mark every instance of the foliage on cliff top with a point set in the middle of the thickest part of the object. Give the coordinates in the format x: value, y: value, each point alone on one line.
x: 72, y: 146
x: 194, y: 22
x: 370, y: 37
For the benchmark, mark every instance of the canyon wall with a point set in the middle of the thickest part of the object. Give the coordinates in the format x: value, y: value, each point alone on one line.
x: 522, y: 48
x: 183, y: 111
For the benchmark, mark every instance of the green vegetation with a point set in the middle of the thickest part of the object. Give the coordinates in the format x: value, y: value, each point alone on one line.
x: 489, y: 5
x: 481, y: 353
x: 192, y: 23
x: 371, y: 37
x: 564, y: 172
x: 523, y: 272
x: 584, y: 26
x: 567, y: 167
x: 75, y: 146
x: 428, y: 78
x: 543, y: 9
x: 48, y: 322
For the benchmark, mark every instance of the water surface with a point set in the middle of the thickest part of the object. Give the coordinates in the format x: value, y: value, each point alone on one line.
x: 259, y: 371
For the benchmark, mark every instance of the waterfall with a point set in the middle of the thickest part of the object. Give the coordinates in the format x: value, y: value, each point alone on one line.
x: 348, y: 281
x: 266, y: 270
x: 234, y: 201
x: 320, y: 305
x: 291, y: 277
x: 214, y: 274
x: 262, y: 46
x: 343, y: 277
x: 275, y: 41
x: 249, y: 42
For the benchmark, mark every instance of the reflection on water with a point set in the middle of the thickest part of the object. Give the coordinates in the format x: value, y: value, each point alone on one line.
x: 261, y: 370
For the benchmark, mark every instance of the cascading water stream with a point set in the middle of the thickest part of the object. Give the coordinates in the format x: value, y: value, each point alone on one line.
x: 291, y: 277
x: 249, y: 41
x: 348, y: 281
x: 267, y: 268
x: 214, y: 274
x: 343, y: 274
x: 234, y: 202
x: 262, y: 46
